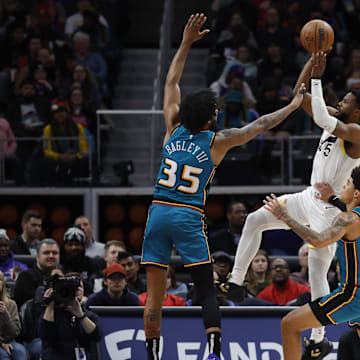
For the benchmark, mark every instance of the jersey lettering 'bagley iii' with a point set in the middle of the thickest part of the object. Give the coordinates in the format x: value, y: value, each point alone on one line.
x: 186, y: 169
x: 331, y: 163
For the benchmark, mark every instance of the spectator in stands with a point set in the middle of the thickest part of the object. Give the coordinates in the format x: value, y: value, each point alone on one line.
x: 14, y: 46
x: 274, y: 31
x: 8, y: 265
x: 28, y: 115
x: 349, y: 345
x: 76, y: 20
x: 73, y: 257
x: 222, y: 264
x: 112, y: 250
x: 5, y: 20
x: 89, y: 84
x: 64, y: 72
x: 235, y: 113
x: 44, y: 57
x: 33, y: 45
x: 116, y: 291
x: 174, y: 287
x: 302, y: 276
x: 259, y: 275
x: 31, y: 311
x: 134, y: 282
x: 274, y: 58
x: 44, y: 21
x: 228, y: 238
x: 93, y: 60
x: 100, y: 35
x: 83, y: 112
x: 352, y: 73
x: 10, y: 326
x: 43, y: 85
x: 27, y: 242
x: 68, y: 158
x: 48, y: 255
x: 269, y: 100
x: 8, y: 148
x: 282, y: 290
x: 69, y: 332
x: 93, y: 248
x: 172, y: 296
x: 222, y: 86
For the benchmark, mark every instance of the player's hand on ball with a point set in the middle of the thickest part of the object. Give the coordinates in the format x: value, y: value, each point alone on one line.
x: 318, y: 61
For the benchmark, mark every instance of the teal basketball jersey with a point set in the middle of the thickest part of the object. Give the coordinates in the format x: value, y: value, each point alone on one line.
x: 347, y: 254
x: 186, y: 170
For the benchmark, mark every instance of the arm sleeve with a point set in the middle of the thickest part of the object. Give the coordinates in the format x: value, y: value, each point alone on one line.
x: 334, y: 200
x: 319, y: 109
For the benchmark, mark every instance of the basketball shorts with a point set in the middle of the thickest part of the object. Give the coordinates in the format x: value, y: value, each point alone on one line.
x: 178, y: 225
x: 341, y: 305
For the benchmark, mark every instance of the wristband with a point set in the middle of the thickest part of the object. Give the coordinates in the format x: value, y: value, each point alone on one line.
x: 83, y: 316
x: 334, y: 200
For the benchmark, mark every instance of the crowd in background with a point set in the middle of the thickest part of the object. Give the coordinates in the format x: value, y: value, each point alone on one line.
x: 256, y: 56
x: 58, y: 66
x: 108, y: 274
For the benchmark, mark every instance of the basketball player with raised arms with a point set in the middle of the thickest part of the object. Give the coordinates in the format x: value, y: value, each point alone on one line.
x: 191, y: 153
x: 337, y: 153
x: 342, y: 304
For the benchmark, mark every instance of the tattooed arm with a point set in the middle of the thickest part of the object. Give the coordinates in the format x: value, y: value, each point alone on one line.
x: 229, y: 138
x: 340, y: 227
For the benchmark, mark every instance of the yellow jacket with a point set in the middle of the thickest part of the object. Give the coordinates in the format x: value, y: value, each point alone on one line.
x: 48, y: 147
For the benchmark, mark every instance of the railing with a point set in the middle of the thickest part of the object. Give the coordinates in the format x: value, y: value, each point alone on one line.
x: 285, y: 153
x: 30, y: 156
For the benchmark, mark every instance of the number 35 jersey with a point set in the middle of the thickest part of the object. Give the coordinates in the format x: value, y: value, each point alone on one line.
x: 186, y: 170
x: 331, y: 163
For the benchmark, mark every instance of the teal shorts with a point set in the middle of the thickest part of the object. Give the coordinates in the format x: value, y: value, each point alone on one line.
x: 179, y: 225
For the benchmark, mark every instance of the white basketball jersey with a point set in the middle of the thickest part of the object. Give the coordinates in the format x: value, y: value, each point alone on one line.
x: 331, y: 164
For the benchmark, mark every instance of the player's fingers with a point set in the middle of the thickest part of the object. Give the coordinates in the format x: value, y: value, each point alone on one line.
x: 204, y: 32
x: 190, y: 20
x: 200, y: 20
x: 194, y: 19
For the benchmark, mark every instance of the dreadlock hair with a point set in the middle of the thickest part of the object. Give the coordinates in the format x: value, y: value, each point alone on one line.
x: 355, y: 175
x: 197, y: 109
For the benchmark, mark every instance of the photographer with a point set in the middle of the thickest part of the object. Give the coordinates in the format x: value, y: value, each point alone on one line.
x: 67, y: 330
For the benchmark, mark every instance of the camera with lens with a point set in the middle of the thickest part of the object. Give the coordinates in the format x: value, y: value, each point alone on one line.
x: 64, y: 289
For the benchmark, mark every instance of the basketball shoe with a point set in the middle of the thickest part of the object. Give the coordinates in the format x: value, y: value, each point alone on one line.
x: 231, y: 291
x: 316, y: 350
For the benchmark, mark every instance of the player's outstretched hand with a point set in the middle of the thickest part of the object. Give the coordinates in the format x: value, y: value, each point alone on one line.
x: 318, y: 61
x: 272, y: 204
x: 298, y: 98
x: 325, y: 191
x: 192, y: 30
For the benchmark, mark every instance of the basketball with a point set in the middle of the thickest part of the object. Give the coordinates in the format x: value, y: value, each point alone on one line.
x: 317, y: 36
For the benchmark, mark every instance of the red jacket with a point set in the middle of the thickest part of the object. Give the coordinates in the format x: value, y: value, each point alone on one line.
x: 291, y: 291
x: 170, y: 300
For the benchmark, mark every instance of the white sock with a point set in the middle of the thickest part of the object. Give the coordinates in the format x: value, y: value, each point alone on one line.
x: 317, y: 334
